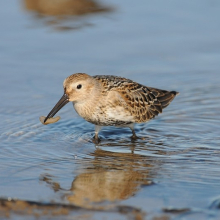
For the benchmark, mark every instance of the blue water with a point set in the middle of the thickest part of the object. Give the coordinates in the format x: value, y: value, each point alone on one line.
x: 173, y: 45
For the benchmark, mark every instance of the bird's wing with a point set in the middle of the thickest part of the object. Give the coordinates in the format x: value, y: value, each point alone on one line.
x: 144, y: 103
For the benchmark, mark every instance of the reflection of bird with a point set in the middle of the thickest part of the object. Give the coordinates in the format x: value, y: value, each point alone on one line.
x: 110, y: 176
x: 105, y: 186
x: 107, y: 176
x: 112, y: 101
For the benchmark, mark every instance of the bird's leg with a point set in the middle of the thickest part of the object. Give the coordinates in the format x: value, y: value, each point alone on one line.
x: 96, y: 138
x: 134, y: 136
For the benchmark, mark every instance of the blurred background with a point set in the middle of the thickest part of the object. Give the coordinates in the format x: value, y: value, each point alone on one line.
x: 172, y: 45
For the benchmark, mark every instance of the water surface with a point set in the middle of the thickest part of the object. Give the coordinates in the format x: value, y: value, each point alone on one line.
x: 173, y: 170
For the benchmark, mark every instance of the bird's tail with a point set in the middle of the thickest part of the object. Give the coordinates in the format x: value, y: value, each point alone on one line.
x: 166, y: 97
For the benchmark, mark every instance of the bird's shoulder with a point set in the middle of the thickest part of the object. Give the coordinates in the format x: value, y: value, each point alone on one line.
x: 110, y: 82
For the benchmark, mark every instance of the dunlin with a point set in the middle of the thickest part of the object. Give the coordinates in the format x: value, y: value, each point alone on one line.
x: 112, y: 101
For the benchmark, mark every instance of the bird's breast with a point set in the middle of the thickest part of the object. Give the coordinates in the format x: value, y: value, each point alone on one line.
x: 104, y: 115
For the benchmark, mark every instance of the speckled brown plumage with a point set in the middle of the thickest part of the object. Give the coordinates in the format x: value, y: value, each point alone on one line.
x: 106, y: 100
x: 143, y: 102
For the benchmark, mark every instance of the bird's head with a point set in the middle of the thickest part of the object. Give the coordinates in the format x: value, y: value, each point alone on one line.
x: 77, y: 88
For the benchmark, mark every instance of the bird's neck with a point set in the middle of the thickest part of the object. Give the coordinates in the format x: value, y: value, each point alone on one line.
x: 87, y: 107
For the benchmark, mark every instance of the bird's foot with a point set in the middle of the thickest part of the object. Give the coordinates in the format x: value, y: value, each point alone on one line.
x: 96, y: 140
x: 134, y: 137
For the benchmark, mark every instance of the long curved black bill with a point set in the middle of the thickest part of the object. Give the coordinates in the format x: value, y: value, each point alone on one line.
x: 63, y: 101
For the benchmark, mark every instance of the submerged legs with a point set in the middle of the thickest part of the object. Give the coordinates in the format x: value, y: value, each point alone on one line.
x: 134, y: 136
x: 96, y: 138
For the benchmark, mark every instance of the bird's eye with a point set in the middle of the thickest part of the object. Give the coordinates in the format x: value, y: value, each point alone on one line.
x: 79, y: 86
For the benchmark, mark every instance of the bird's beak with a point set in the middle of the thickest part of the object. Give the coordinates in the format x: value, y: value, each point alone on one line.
x: 63, y: 101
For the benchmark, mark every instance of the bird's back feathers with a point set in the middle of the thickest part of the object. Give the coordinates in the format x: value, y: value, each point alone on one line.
x: 144, y: 103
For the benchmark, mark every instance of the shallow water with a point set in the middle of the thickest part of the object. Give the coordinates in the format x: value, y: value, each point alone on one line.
x: 168, y: 45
